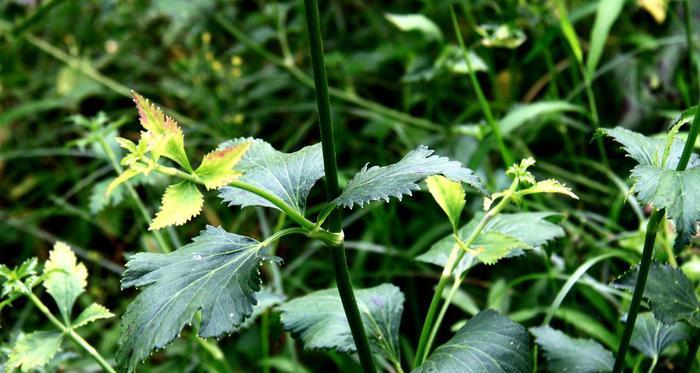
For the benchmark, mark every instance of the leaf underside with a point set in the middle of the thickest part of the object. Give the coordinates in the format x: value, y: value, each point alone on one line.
x: 319, y: 319
x: 216, y: 274
x: 288, y: 176
x: 651, y: 337
x: 575, y: 355
x: 670, y: 293
x: 401, y: 178
x: 488, y: 343
x: 500, y: 238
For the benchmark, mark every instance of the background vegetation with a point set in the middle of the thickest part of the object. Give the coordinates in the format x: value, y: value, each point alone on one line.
x: 242, y: 69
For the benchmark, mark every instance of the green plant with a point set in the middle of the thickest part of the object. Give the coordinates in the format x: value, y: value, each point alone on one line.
x: 65, y: 280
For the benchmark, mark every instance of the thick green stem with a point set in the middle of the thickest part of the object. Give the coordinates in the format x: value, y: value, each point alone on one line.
x: 134, y: 196
x: 485, y: 107
x: 650, y: 237
x: 69, y: 332
x: 340, y: 264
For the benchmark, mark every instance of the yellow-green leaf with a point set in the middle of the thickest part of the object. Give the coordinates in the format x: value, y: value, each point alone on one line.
x: 217, y: 170
x: 552, y: 186
x: 33, y: 350
x: 657, y: 9
x: 163, y: 136
x: 66, y: 279
x: 92, y: 313
x: 121, y: 179
x: 449, y: 195
x: 181, y: 202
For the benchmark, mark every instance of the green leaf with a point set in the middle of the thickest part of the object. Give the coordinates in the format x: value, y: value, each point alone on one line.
x: 649, y: 151
x: 415, y: 22
x: 452, y: 59
x: 99, y: 199
x: 493, y: 246
x: 33, y: 350
x: 569, y: 32
x: 66, y: 279
x: 670, y: 294
x: 651, y: 337
x: 500, y: 36
x: 676, y: 191
x: 217, y: 170
x: 376, y: 183
x: 488, y: 343
x: 266, y: 300
x: 606, y: 14
x: 575, y: 355
x: 530, y: 229
x: 449, y: 195
x: 163, y: 136
x: 94, y: 312
x: 216, y: 274
x: 319, y: 319
x: 522, y: 114
x: 288, y: 176
x: 129, y: 173
x: 180, y: 203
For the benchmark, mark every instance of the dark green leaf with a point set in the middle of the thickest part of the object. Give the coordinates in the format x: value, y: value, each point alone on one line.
x: 381, y: 183
x: 320, y: 321
x: 488, y: 343
x: 288, y: 176
x: 670, y: 293
x: 216, y: 274
x: 652, y: 337
x: 575, y: 355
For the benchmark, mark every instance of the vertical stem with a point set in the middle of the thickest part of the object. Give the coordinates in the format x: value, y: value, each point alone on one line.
x: 265, y: 340
x: 689, y: 43
x: 650, y: 237
x: 335, y: 219
x: 485, y: 107
x: 692, y: 351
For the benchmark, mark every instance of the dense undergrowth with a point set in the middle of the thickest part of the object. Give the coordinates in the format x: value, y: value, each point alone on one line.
x: 548, y: 140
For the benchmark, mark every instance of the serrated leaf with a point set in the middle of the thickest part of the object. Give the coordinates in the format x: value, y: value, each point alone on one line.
x: 181, y: 202
x: 33, y: 350
x: 488, y: 343
x: 381, y: 183
x: 651, y: 337
x: 493, y: 246
x: 449, y: 195
x: 551, y: 186
x: 415, y: 22
x: 217, y: 170
x: 163, y: 136
x: 670, y: 294
x: 676, y: 191
x: 319, y: 319
x: 266, y: 300
x: 649, y: 151
x: 530, y: 228
x: 129, y: 173
x: 66, y: 279
x: 216, y: 274
x: 575, y: 355
x: 289, y: 176
x: 94, y: 312
x: 500, y: 36
x: 99, y: 199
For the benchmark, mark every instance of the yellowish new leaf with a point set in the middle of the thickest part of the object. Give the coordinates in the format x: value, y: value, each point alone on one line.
x: 449, y: 195
x: 217, y: 170
x: 181, y: 202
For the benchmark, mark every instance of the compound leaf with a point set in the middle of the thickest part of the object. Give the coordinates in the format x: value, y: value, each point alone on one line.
x: 319, y: 319
x: 287, y: 176
x: 576, y: 355
x: 376, y: 183
x: 513, y: 231
x: 180, y: 203
x: 449, y: 195
x: 488, y: 343
x: 216, y: 274
x: 670, y: 294
x: 66, y: 279
x: 94, y: 312
x: 676, y: 191
x: 163, y: 136
x: 216, y: 169
x: 34, y: 350
x: 651, y: 337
